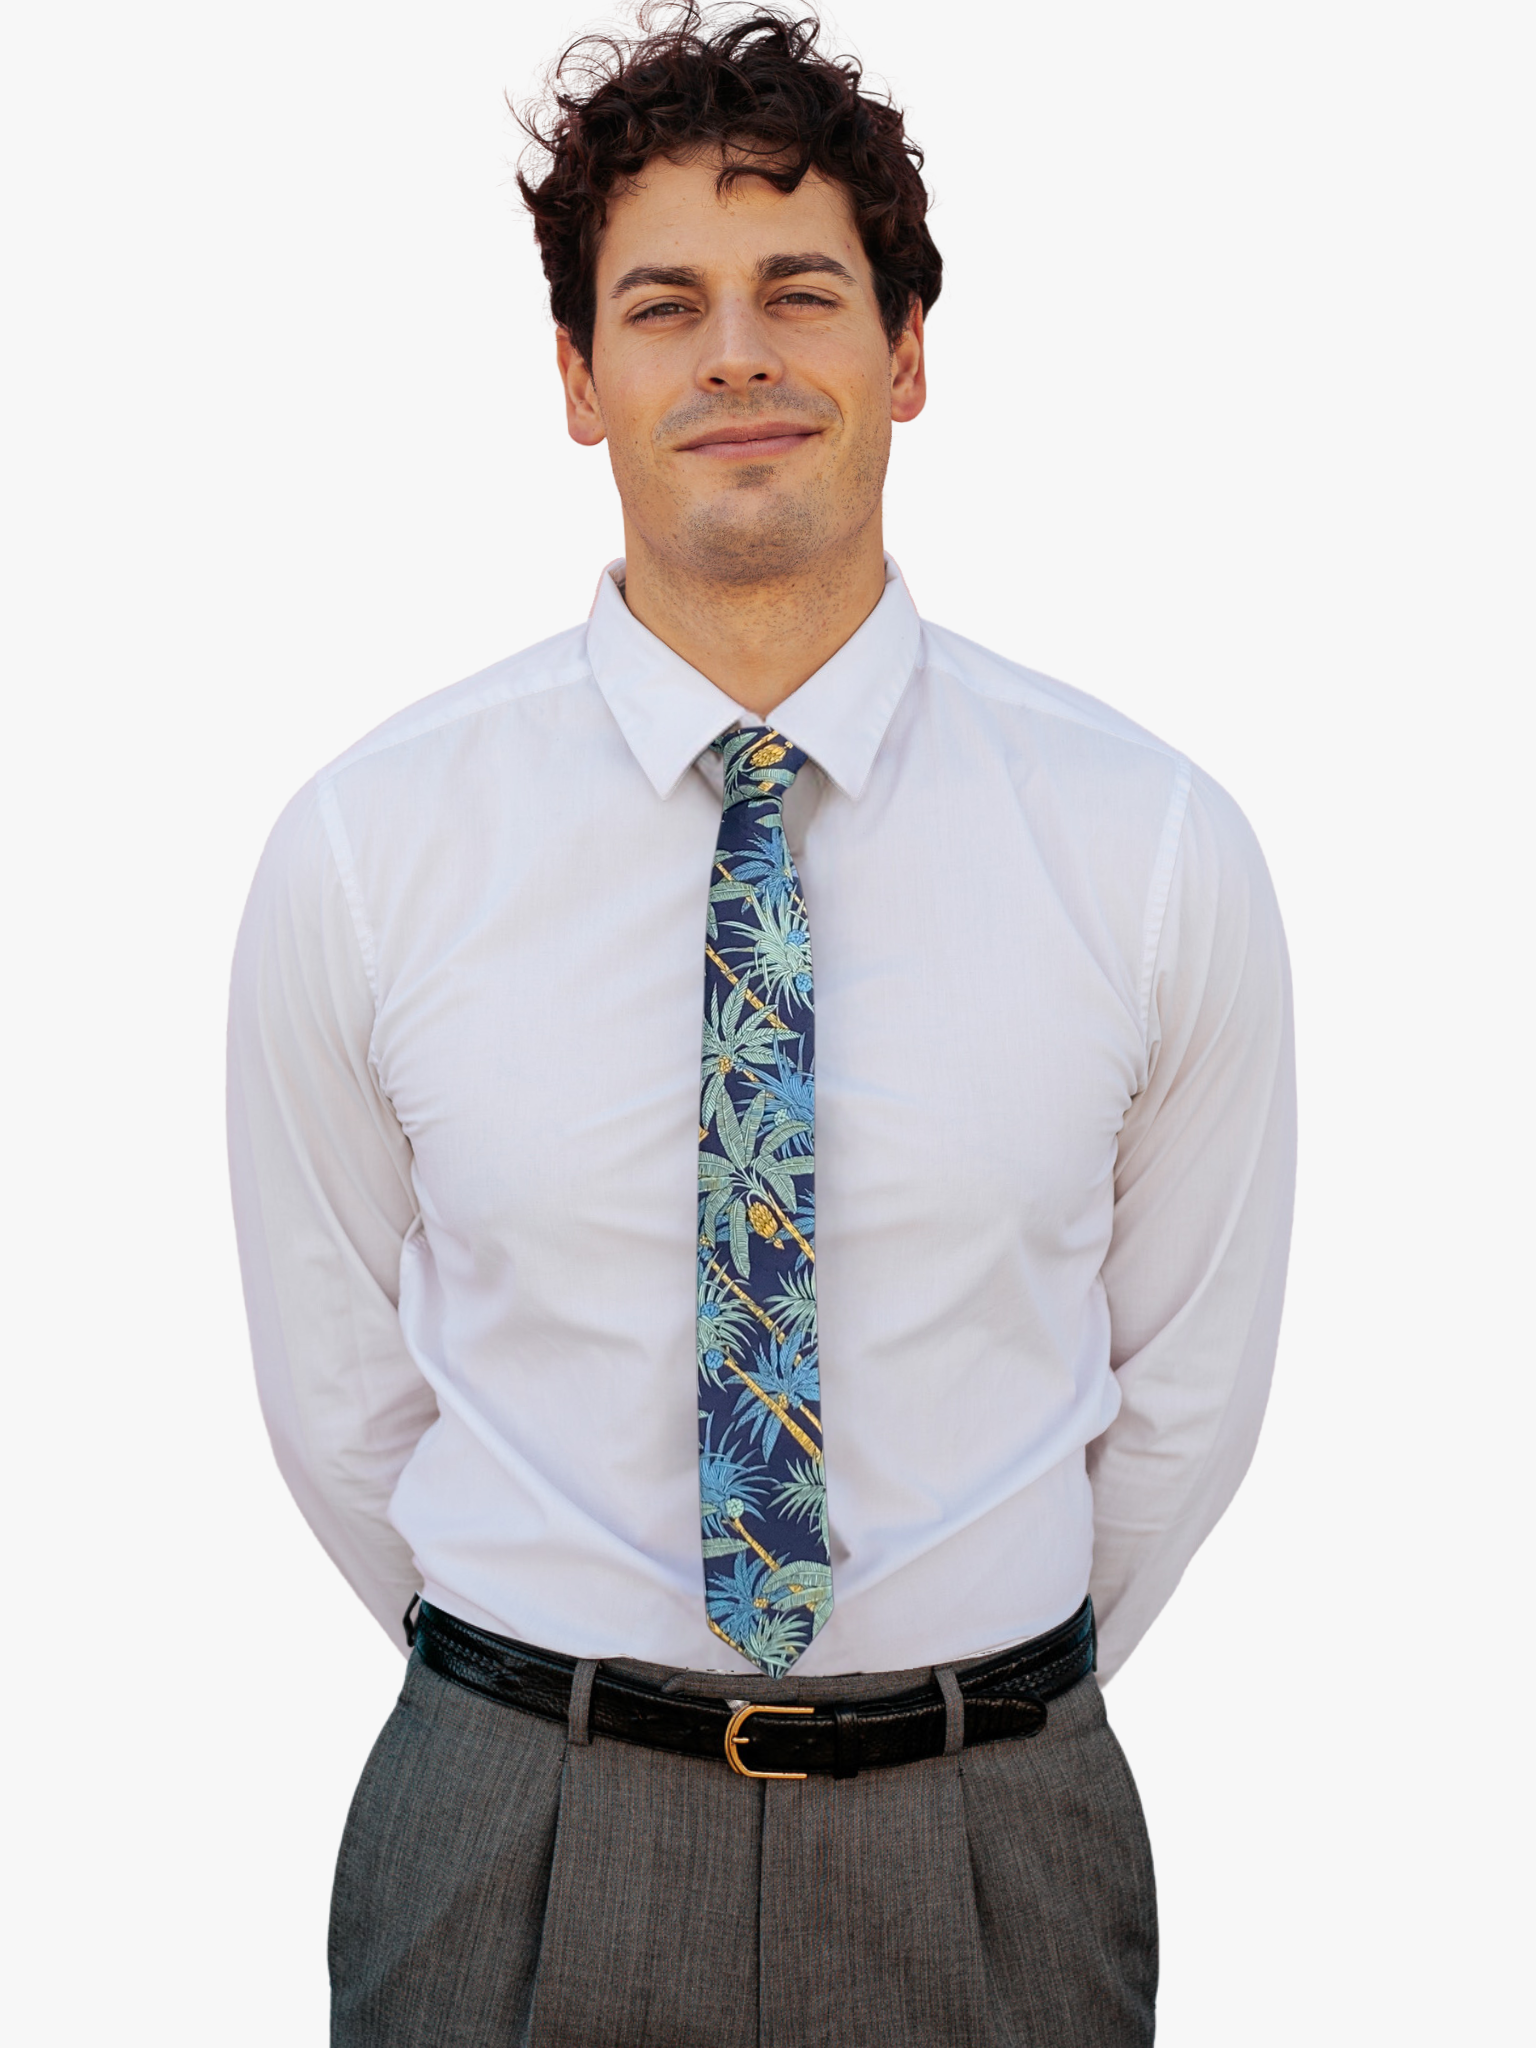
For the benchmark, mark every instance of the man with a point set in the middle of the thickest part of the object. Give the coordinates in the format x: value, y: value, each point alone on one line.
x: 752, y: 1428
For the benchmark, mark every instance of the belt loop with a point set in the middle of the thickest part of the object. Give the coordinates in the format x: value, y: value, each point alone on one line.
x: 410, y: 1620
x: 954, y: 1709
x: 581, y: 1700
x: 847, y: 1746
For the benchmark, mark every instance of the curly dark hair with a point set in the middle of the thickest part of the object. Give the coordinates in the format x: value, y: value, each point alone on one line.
x: 757, y: 88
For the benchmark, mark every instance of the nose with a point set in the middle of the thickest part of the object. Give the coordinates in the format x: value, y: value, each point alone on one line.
x: 738, y: 352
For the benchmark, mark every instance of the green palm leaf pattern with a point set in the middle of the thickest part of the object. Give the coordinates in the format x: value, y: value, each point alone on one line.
x: 793, y: 1308
x: 781, y: 952
x: 762, y: 1489
x: 803, y: 1498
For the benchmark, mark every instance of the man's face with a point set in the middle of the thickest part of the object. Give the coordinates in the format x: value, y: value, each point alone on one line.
x: 740, y: 371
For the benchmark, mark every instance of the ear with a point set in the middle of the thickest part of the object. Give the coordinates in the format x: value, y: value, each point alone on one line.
x: 909, y: 380
x: 583, y: 415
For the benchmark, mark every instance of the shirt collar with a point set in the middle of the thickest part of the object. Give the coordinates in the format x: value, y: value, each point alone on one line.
x: 668, y: 712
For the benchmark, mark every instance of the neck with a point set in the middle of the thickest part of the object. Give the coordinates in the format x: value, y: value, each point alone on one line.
x: 756, y: 641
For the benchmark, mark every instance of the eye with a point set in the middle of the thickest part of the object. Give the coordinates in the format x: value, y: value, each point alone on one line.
x: 803, y: 298
x: 663, y: 310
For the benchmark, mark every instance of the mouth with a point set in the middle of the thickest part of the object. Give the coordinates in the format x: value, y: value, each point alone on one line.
x: 751, y: 444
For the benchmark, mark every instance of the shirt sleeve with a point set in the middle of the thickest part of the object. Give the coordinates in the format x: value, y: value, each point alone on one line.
x: 321, y: 1178
x: 1204, y: 1183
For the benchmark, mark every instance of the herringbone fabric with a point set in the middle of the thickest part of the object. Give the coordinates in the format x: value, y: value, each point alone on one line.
x: 503, y: 1886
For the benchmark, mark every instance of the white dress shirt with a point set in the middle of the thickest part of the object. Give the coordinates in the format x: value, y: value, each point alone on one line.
x: 1054, y: 1145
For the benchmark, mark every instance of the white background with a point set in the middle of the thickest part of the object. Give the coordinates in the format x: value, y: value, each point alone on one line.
x: 1232, y: 425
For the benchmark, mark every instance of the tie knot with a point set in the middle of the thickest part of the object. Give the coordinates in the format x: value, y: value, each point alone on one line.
x: 760, y: 765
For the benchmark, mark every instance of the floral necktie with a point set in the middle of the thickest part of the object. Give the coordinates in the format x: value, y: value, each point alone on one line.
x: 762, y: 1488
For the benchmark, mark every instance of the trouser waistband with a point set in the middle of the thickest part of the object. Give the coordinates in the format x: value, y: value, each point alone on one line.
x: 996, y: 1699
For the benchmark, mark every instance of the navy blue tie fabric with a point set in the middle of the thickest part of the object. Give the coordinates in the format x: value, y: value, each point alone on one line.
x: 762, y: 1485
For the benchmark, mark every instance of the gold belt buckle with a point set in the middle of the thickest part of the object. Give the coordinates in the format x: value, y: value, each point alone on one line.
x: 733, y: 1737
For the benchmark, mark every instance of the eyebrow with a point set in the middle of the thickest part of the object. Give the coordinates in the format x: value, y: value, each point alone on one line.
x: 770, y: 270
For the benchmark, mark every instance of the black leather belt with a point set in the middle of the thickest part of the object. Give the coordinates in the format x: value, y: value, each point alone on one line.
x: 1002, y: 1697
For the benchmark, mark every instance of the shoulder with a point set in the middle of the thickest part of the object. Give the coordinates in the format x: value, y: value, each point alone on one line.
x: 1103, y: 777
x: 516, y: 683
x: 435, y: 765
x: 438, y: 770
x: 1052, y: 707
x: 1108, y: 784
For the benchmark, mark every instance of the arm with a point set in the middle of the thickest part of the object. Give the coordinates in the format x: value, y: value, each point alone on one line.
x: 321, y: 1175
x: 1203, y: 1189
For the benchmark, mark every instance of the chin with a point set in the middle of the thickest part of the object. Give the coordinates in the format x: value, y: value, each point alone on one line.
x: 737, y: 540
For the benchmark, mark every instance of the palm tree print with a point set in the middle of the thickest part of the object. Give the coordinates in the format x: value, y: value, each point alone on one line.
x: 766, y: 870
x: 781, y: 951
x: 735, y: 1037
x: 736, y: 1600
x: 792, y: 1100
x: 784, y: 1379
x: 777, y: 1640
x: 803, y: 1498
x: 793, y: 1308
x: 726, y: 1322
x: 762, y: 1488
x: 748, y: 1185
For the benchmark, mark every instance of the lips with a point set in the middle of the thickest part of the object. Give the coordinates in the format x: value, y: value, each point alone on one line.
x: 763, y: 438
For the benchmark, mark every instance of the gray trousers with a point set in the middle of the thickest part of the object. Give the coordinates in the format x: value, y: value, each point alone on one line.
x: 503, y: 1883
